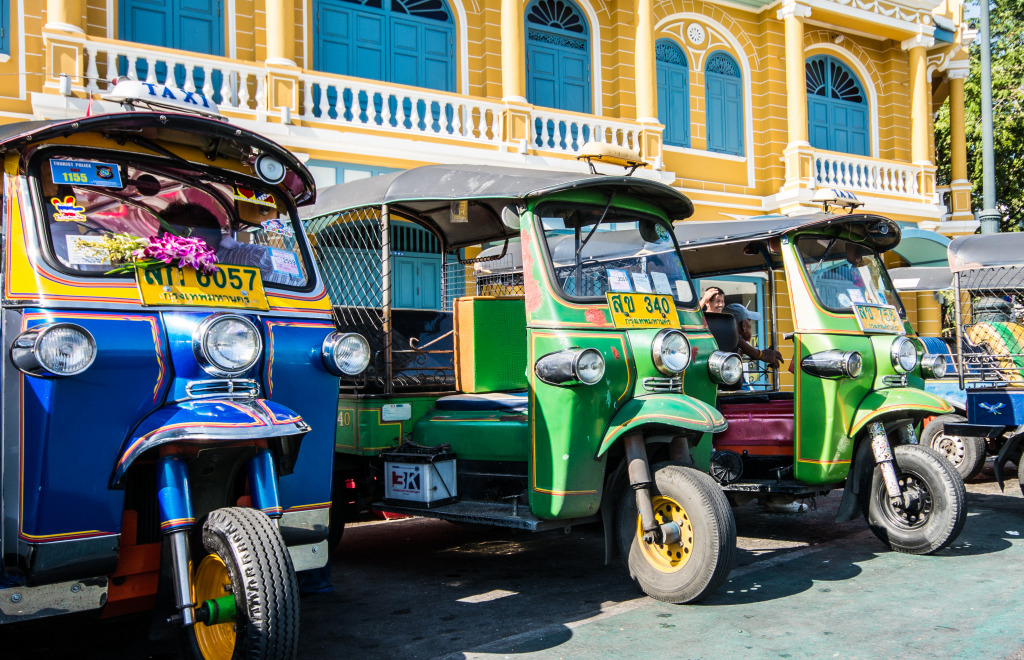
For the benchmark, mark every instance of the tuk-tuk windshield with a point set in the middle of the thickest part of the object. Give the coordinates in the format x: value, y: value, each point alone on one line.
x: 93, y: 206
x: 843, y: 272
x: 596, y: 249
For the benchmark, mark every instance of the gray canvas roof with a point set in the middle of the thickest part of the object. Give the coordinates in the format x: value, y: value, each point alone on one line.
x: 192, y: 130
x: 921, y: 278
x: 986, y: 251
x: 714, y: 247
x: 426, y: 192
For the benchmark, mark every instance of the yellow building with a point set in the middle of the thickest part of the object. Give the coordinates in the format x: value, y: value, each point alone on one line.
x: 748, y: 106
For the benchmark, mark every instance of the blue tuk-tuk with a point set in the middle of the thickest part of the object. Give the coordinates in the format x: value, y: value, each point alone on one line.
x: 170, y: 374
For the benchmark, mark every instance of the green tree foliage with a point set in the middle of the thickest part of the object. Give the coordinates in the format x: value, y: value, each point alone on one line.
x: 1006, y: 21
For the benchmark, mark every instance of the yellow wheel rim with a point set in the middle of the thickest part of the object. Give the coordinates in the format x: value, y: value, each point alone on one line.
x: 211, y: 581
x: 669, y: 557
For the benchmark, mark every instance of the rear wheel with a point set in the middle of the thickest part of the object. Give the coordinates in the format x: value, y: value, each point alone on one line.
x: 932, y: 510
x: 965, y: 453
x: 693, y: 568
x: 1020, y: 475
x: 248, y: 559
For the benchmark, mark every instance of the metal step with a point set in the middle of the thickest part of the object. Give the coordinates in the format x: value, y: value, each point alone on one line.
x: 775, y: 486
x: 496, y: 514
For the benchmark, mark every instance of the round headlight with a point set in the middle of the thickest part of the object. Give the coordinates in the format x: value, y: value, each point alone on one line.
x: 853, y: 364
x: 270, y: 169
x: 904, y: 355
x: 671, y: 352
x: 589, y: 366
x: 226, y: 344
x: 726, y: 368
x: 346, y: 354
x: 57, y: 349
x: 934, y: 365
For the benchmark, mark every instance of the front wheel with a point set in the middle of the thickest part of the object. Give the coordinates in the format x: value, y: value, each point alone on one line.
x: 966, y: 454
x: 687, y: 571
x: 932, y: 510
x: 248, y: 559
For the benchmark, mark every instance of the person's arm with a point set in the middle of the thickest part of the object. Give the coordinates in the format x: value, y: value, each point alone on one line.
x: 767, y: 355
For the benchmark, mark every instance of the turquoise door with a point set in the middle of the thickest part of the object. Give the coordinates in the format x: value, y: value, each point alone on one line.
x: 191, y: 25
x: 557, y: 56
x: 673, y: 93
x: 400, y: 41
x: 837, y: 109
x: 417, y: 281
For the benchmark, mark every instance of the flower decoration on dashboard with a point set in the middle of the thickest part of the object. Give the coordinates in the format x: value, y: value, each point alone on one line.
x: 180, y: 251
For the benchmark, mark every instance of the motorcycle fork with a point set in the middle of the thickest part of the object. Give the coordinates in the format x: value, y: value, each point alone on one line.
x: 174, y: 496
x: 883, y: 458
x: 640, y: 480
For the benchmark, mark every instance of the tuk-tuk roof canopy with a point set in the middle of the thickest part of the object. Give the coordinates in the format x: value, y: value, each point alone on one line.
x: 921, y: 278
x: 427, y: 192
x: 986, y: 251
x: 712, y: 247
x: 189, y: 130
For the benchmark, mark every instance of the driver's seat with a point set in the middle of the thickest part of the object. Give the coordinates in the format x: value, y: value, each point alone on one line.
x: 724, y: 329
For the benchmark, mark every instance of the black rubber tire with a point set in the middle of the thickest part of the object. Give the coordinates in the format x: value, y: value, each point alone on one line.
x: 262, y: 579
x: 942, y: 510
x: 1020, y: 476
x: 966, y: 454
x: 713, y: 528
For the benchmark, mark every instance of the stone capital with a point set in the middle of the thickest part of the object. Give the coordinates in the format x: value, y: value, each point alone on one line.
x: 793, y: 9
x: 958, y: 70
x: 924, y: 40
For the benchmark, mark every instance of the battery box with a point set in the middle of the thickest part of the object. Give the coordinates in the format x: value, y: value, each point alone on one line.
x: 419, y: 476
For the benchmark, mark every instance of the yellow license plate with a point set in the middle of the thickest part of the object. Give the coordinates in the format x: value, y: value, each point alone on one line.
x: 884, y: 319
x: 231, y: 286
x: 643, y: 310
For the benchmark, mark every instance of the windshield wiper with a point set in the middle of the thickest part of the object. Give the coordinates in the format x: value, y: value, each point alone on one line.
x: 824, y: 254
x: 596, y: 225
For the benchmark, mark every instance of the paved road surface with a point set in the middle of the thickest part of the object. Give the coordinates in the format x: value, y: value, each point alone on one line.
x: 803, y: 587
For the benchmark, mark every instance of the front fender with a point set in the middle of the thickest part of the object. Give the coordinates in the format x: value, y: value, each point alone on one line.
x: 664, y: 409
x: 881, y: 402
x: 212, y: 421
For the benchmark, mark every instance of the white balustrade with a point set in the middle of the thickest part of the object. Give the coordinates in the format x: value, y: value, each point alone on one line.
x: 862, y: 174
x: 380, y: 106
x: 226, y: 83
x: 349, y: 102
x: 557, y: 131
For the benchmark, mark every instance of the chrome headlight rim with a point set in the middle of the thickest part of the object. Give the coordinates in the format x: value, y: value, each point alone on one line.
x: 657, y: 350
x: 25, y: 354
x: 576, y: 366
x: 930, y: 365
x: 329, y: 353
x: 717, y: 367
x: 896, y: 355
x: 200, y: 350
x: 853, y: 364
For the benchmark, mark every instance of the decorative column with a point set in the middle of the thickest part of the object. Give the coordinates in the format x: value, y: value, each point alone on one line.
x: 960, y: 187
x: 645, y: 75
x: 63, y: 53
x: 920, y: 113
x: 516, y: 122
x: 798, y: 156
x: 282, y: 87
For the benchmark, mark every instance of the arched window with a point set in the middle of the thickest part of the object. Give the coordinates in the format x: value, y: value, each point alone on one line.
x: 557, y: 56
x: 673, y: 93
x: 837, y: 107
x: 410, y: 42
x: 723, y: 85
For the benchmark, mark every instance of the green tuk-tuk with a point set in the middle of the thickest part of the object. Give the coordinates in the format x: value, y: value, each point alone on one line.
x: 537, y: 361
x: 852, y: 416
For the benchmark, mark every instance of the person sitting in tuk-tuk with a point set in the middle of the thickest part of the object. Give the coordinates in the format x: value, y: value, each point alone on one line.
x: 194, y: 219
x: 744, y: 321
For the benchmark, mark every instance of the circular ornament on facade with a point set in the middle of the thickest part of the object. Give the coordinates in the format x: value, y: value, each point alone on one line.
x: 695, y: 33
